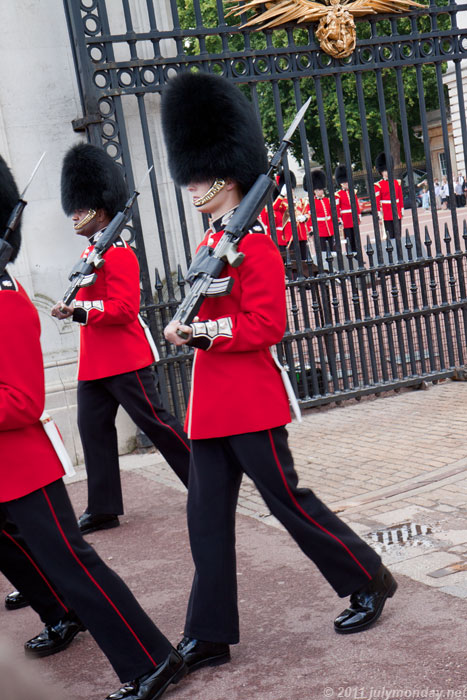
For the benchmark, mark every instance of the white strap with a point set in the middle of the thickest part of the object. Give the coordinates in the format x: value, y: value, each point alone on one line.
x: 287, y: 385
x: 55, y: 438
x: 150, y: 339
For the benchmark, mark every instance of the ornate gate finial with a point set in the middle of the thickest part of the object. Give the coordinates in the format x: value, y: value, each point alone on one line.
x: 336, y: 30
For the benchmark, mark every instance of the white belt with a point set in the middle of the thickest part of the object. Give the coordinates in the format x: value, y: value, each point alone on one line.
x: 323, y: 218
x: 55, y: 438
x: 387, y: 201
x: 346, y: 211
x: 149, y: 338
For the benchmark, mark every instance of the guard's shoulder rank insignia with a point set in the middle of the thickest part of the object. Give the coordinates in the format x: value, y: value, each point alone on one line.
x: 7, y: 283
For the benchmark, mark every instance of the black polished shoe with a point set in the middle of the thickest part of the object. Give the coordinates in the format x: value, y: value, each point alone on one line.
x: 55, y: 638
x: 366, y: 605
x: 15, y: 601
x: 90, y: 523
x: 197, y: 653
x: 153, y: 685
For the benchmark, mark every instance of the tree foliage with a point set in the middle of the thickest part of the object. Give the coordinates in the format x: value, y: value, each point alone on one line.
x: 210, y: 14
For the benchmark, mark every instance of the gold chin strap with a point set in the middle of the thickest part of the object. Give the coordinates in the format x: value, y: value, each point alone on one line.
x: 89, y: 216
x: 211, y: 193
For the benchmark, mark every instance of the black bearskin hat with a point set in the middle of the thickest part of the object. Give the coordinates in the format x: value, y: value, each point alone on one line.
x: 91, y: 179
x: 211, y: 131
x: 318, y: 181
x: 340, y: 174
x: 293, y: 180
x: 9, y: 196
x: 381, y: 162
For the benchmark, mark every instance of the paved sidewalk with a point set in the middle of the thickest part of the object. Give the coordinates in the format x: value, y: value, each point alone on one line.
x: 394, y: 468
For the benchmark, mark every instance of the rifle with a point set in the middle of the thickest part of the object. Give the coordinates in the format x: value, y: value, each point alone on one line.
x: 6, y: 249
x: 204, y: 271
x: 83, y: 274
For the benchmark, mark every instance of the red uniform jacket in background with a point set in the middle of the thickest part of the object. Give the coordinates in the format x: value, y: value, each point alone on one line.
x: 236, y: 387
x: 383, y: 198
x: 302, y: 208
x: 280, y: 206
x: 344, y: 209
x: 27, y: 459
x: 323, y: 214
x: 112, y: 340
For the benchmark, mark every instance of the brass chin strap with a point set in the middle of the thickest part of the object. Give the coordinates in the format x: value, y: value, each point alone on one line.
x: 81, y: 224
x: 211, y: 193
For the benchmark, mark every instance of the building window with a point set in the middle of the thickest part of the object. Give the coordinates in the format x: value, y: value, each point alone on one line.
x: 442, y: 164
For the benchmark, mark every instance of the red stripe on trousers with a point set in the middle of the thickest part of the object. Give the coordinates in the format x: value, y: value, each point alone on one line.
x: 297, y: 505
x: 157, y: 417
x: 88, y: 573
x: 31, y: 560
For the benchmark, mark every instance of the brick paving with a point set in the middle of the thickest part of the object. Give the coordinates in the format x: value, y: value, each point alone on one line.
x: 378, y: 462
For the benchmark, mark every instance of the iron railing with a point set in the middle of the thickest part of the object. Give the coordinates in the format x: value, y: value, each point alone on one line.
x: 388, y: 315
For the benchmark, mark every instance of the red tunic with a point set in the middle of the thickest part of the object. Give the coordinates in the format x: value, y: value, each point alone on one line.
x: 27, y: 459
x: 301, y: 209
x: 236, y: 387
x: 112, y: 340
x: 280, y: 206
x: 344, y: 209
x: 323, y: 214
x: 383, y: 198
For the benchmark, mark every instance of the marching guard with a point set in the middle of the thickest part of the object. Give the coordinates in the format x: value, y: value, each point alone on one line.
x: 322, y: 207
x: 34, y: 498
x: 280, y: 207
x: 115, y: 356
x: 302, y: 218
x: 238, y: 406
x: 344, y: 207
x: 383, y: 198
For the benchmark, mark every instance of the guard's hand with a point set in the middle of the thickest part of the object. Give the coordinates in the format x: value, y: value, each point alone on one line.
x: 170, y: 333
x: 61, y: 310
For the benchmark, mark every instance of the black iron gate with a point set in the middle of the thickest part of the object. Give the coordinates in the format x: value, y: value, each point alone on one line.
x: 388, y: 314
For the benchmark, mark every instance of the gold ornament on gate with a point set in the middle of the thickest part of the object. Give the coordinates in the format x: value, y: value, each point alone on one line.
x: 336, y: 32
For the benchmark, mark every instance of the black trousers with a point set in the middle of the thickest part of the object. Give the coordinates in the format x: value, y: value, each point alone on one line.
x: 98, y: 402
x: 20, y: 568
x: 327, y: 240
x: 393, y: 227
x: 349, y: 234
x: 127, y: 636
x: 216, y: 471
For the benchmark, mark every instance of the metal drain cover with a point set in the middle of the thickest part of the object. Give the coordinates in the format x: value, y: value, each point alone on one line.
x: 402, y: 534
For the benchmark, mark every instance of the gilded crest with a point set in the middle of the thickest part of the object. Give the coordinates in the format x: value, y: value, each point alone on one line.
x: 336, y: 30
